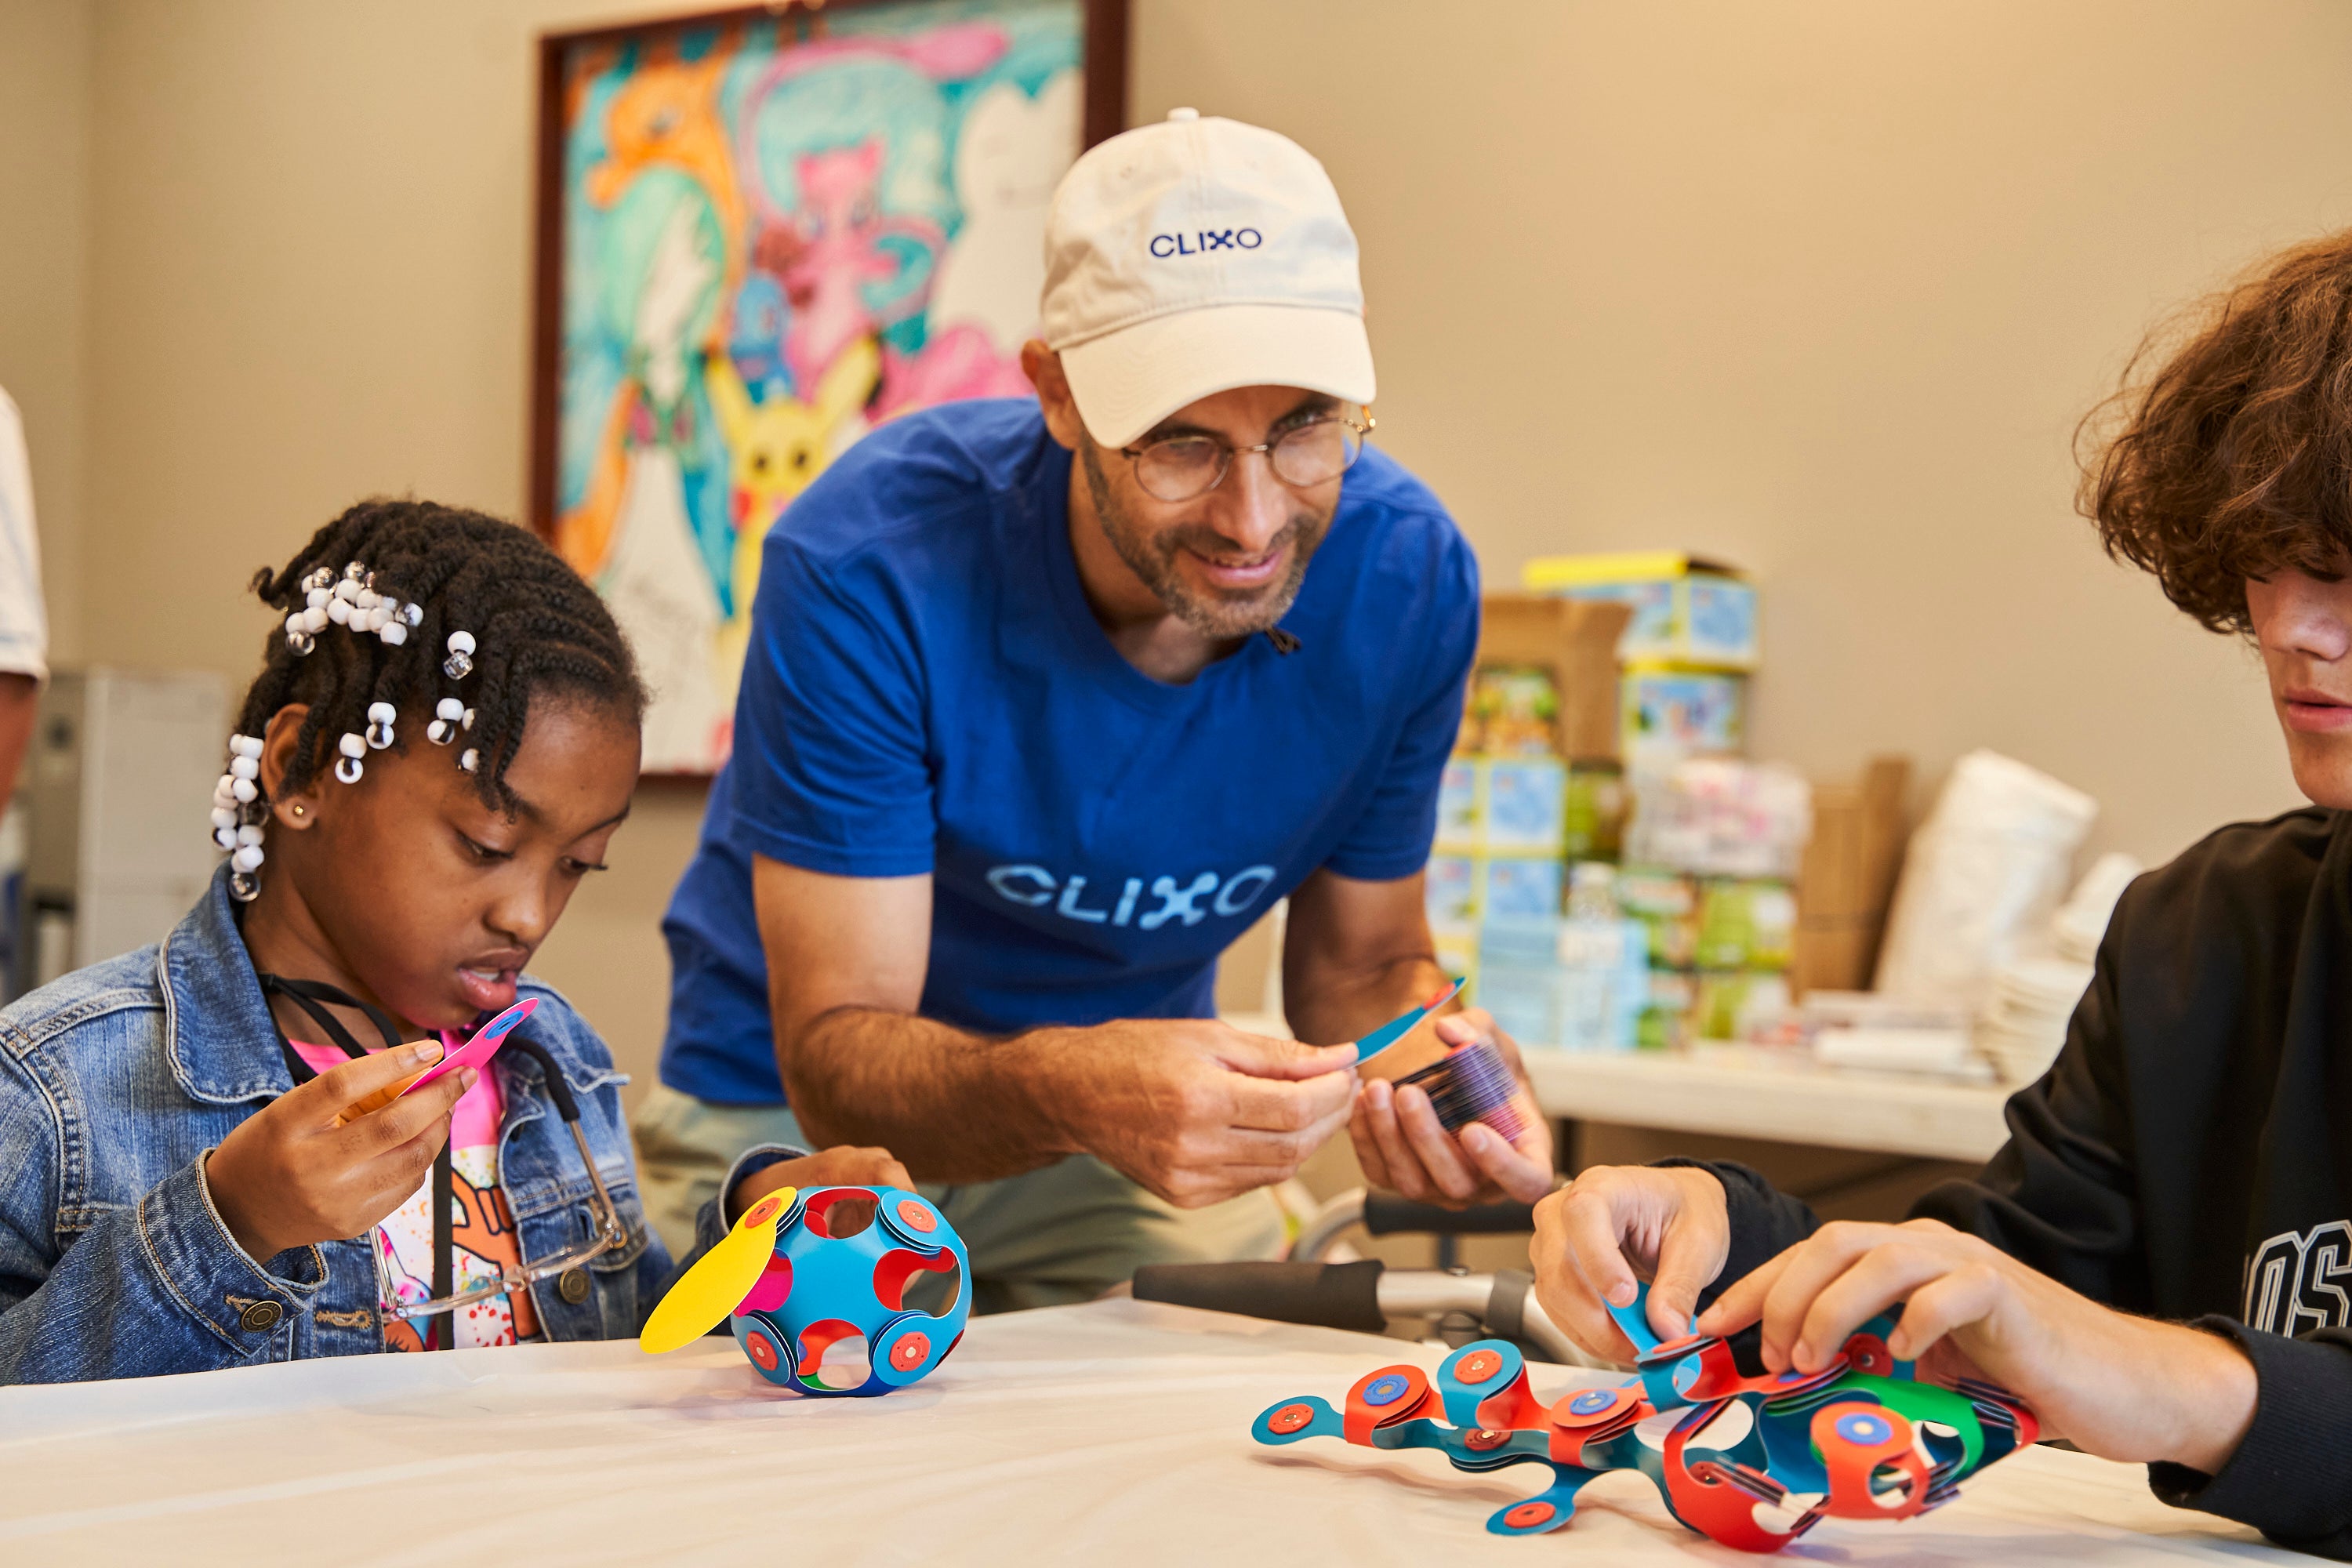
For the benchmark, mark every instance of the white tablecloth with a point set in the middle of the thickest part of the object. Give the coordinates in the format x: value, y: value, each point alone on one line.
x: 1115, y: 1433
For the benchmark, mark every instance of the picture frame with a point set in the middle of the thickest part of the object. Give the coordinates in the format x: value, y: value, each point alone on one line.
x: 760, y: 233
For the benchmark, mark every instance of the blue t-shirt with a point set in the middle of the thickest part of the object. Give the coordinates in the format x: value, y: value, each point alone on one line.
x: 927, y: 691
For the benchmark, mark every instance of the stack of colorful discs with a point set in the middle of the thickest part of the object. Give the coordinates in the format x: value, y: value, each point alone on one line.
x: 1472, y: 1083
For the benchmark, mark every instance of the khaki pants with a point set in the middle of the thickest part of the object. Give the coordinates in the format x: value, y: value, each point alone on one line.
x: 1066, y: 1232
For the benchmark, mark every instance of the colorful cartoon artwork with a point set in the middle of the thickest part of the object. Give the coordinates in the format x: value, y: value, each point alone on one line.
x: 777, y: 231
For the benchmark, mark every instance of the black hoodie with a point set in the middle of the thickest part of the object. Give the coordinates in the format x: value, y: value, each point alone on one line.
x: 2189, y: 1154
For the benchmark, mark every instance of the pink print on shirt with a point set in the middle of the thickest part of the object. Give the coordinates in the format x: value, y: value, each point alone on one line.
x: 481, y: 1230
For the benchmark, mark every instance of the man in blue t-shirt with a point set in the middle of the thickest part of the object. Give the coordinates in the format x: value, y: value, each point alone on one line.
x: 1013, y: 763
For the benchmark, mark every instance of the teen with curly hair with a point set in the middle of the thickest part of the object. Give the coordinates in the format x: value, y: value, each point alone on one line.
x: 2160, y: 1259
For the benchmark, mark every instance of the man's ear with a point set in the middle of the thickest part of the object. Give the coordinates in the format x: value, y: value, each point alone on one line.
x: 277, y: 759
x: 1043, y: 366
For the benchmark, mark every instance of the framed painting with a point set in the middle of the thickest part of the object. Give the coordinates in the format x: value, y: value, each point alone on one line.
x: 761, y: 233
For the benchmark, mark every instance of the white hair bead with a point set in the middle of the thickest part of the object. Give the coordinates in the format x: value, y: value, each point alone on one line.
x: 461, y: 642
x: 470, y: 718
x: 449, y: 708
x: 224, y: 816
x: 244, y: 768
x: 347, y: 591
x: 437, y: 731
x: 394, y: 632
x: 339, y: 611
x: 315, y: 619
x: 380, y: 718
x: 353, y: 744
x: 316, y: 598
x: 367, y: 598
x: 245, y: 745
x: 225, y: 837
x: 249, y: 833
x: 413, y: 613
x: 349, y: 769
x: 470, y: 761
x: 247, y: 857
x: 245, y: 789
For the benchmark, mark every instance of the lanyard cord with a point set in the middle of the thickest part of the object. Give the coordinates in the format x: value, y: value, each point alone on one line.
x: 312, y: 997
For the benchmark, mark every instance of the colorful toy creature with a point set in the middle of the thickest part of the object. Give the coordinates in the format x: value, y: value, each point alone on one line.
x: 793, y: 1288
x: 1859, y: 1440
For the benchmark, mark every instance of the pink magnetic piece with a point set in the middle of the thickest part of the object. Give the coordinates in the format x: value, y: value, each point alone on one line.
x: 771, y: 1289
x: 477, y: 1052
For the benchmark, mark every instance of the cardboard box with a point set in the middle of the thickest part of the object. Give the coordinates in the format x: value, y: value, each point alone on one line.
x: 1576, y: 641
x: 1847, y: 878
x: 1671, y: 714
x: 1685, y: 609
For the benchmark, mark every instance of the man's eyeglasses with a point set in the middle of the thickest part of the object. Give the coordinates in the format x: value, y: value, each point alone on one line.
x: 1314, y: 452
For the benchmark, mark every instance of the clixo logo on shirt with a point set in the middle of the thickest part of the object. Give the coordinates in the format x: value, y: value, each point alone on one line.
x: 1189, y: 901
x: 2301, y: 1280
x: 1201, y: 241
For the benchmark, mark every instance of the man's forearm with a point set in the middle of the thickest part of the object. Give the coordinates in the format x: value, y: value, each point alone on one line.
x: 1326, y: 1005
x: 953, y: 1106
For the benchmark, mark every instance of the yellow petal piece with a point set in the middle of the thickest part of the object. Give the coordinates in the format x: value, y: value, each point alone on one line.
x: 715, y: 1286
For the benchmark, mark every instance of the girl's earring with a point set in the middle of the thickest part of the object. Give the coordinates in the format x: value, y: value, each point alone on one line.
x: 299, y: 809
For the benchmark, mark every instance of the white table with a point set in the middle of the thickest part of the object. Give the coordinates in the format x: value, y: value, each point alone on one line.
x: 1110, y: 1434
x: 1753, y: 1093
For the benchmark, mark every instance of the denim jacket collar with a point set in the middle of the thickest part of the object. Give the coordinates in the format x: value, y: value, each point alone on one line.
x: 218, y: 1029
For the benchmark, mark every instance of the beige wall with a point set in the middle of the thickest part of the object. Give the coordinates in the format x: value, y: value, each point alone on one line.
x: 46, y: 86
x: 1821, y: 286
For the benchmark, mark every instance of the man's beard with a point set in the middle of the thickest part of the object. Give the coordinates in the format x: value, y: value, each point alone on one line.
x: 1153, y: 559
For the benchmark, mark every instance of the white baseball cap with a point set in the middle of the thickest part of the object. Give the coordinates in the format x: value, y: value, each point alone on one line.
x: 1192, y: 256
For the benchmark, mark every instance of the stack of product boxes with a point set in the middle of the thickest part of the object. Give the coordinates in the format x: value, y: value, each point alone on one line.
x: 1708, y: 853
x: 1691, y: 935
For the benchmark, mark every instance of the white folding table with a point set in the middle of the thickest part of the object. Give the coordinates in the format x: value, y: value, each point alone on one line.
x: 1112, y: 1433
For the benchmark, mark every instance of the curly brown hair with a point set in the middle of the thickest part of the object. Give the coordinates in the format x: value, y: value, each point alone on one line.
x: 2232, y: 457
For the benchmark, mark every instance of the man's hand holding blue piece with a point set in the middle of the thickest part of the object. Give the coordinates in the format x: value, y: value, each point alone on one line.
x: 1403, y: 1147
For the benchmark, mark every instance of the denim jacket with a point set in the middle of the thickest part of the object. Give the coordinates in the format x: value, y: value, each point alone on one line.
x: 117, y: 1081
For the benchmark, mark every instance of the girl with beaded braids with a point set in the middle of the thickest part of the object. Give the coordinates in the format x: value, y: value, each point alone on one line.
x: 210, y: 1159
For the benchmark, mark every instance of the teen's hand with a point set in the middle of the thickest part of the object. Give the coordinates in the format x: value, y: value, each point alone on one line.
x: 1403, y: 1147
x: 2117, y: 1386
x: 1195, y: 1110
x: 841, y: 1166
x: 1600, y: 1235
x: 290, y: 1175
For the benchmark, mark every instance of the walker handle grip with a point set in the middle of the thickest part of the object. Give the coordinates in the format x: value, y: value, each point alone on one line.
x: 1322, y: 1295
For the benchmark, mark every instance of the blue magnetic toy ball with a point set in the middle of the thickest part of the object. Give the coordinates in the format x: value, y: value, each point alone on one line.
x: 820, y: 1288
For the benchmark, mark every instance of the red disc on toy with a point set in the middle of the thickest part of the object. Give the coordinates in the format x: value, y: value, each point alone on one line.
x: 1478, y: 1366
x: 1484, y: 1439
x: 1868, y: 1352
x: 764, y: 1210
x: 1528, y: 1515
x: 917, y: 1216
x: 762, y: 1352
x: 910, y: 1352
x: 1290, y: 1418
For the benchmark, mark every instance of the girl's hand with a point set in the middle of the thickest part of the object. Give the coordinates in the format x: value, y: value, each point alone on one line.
x: 841, y: 1166
x: 1403, y: 1147
x: 2120, y: 1387
x: 295, y: 1172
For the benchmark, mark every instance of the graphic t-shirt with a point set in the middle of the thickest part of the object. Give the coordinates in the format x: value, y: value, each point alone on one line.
x: 925, y: 690
x: 481, y: 1232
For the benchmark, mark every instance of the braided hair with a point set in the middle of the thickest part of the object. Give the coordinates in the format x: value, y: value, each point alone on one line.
x: 468, y: 612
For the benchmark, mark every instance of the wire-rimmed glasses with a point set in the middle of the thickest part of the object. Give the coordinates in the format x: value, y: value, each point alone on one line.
x: 1315, y: 451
